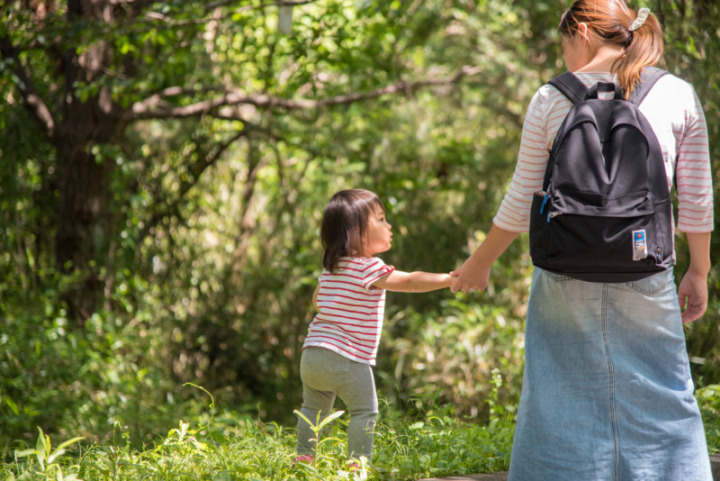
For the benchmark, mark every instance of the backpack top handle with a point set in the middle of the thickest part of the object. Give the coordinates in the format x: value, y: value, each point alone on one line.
x: 605, y: 88
x: 576, y: 92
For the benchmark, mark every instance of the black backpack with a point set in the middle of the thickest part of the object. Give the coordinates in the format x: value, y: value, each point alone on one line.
x: 604, y: 214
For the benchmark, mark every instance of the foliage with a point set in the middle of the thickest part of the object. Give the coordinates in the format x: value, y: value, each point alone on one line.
x: 227, y: 138
x: 46, y: 457
x: 85, y: 381
x: 692, y: 45
x: 708, y: 398
x: 230, y: 446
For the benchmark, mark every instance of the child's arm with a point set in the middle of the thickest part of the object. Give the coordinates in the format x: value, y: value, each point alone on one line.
x: 315, y: 294
x: 418, y: 281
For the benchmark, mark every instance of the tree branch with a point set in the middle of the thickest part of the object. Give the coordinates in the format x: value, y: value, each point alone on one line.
x: 197, y: 170
x: 32, y: 101
x: 155, y: 108
x: 278, y: 3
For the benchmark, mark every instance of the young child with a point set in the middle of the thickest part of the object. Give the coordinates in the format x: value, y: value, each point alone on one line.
x: 343, y: 339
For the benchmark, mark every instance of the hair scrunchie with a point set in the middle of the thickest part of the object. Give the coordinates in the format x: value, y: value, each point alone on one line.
x: 639, y: 21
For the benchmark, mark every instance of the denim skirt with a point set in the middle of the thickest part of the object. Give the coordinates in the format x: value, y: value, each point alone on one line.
x: 607, y: 393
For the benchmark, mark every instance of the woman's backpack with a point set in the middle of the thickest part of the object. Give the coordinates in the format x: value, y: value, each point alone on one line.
x: 604, y: 214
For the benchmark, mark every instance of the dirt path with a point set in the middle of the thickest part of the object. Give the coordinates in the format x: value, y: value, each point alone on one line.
x: 502, y: 476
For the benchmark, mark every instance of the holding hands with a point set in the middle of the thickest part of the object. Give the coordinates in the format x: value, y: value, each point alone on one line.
x: 474, y: 274
x: 471, y: 276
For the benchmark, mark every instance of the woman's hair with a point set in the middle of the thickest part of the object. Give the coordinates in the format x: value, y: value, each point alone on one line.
x: 344, y: 223
x: 611, y: 20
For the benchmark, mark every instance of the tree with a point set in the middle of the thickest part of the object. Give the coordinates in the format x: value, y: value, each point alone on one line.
x: 140, y: 118
x: 85, y: 71
x: 163, y: 167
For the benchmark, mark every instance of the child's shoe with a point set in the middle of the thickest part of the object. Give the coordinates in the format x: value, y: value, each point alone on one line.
x: 304, y: 459
x: 359, y: 470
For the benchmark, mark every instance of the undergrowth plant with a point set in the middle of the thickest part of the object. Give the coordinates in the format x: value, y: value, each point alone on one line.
x: 227, y: 446
x: 708, y: 398
x: 230, y: 447
x: 47, y: 464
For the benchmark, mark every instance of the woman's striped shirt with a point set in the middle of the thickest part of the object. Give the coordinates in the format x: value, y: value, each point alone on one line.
x: 676, y: 116
x: 350, y: 311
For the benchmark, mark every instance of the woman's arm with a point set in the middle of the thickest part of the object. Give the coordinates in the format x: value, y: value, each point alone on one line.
x: 513, y: 216
x: 418, y: 281
x: 693, y: 291
x: 475, y: 271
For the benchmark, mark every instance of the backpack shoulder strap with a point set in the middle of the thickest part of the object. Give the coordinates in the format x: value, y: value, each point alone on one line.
x: 648, y: 77
x: 570, y: 86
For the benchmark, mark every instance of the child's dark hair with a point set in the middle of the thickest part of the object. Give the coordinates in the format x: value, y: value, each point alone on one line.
x: 344, y: 222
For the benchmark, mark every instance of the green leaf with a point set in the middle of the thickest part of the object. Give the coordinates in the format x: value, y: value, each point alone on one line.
x: 26, y: 452
x: 56, y: 454
x: 11, y: 404
x: 70, y: 441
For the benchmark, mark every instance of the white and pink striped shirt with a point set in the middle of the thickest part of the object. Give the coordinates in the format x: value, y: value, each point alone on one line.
x: 350, y: 311
x: 676, y: 116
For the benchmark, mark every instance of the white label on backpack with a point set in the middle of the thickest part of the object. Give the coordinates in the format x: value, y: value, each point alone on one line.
x: 639, y: 245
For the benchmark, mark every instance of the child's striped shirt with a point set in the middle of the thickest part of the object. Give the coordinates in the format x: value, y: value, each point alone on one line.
x: 350, y: 311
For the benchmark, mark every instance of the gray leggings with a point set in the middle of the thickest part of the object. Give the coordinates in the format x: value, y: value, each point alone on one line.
x: 325, y: 375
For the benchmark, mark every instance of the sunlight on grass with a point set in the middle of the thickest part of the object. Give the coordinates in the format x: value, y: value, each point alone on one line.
x: 227, y: 447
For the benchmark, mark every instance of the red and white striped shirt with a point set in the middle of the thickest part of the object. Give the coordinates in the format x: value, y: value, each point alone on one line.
x: 676, y: 116
x: 350, y: 311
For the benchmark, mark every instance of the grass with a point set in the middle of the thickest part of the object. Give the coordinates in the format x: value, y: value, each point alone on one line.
x: 227, y: 447
x: 244, y: 449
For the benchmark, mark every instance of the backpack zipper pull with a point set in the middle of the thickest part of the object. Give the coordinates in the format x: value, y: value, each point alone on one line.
x: 545, y: 199
x: 552, y: 214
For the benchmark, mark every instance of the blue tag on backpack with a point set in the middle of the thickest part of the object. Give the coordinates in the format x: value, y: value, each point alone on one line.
x: 639, y: 245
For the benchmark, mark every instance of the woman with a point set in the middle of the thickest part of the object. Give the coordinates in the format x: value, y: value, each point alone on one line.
x: 607, y: 392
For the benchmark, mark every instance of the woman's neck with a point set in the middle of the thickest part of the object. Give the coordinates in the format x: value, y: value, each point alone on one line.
x: 604, y: 59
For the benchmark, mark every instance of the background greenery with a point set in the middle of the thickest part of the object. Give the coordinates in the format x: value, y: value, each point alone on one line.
x: 163, y: 170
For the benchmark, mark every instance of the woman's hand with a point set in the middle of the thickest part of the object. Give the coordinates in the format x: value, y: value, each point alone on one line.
x: 474, y: 274
x: 693, y: 291
x: 471, y: 276
x: 693, y: 296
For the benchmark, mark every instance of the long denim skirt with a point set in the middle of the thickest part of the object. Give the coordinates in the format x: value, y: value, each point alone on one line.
x: 607, y: 393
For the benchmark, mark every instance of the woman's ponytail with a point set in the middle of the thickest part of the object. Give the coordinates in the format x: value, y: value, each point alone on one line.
x: 638, y: 33
x: 644, y: 48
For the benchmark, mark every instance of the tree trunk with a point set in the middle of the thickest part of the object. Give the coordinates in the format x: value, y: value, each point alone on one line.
x: 83, y: 225
x: 81, y: 244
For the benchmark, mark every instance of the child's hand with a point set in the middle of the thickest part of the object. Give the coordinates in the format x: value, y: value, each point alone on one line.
x: 451, y: 277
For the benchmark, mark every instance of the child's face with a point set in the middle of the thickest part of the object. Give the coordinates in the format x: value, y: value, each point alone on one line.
x: 378, y: 234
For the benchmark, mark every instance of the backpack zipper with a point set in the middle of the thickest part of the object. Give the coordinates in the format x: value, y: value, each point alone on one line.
x: 552, y: 214
x: 546, y: 196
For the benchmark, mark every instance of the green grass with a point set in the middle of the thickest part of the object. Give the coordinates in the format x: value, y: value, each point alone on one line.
x: 226, y: 448
x: 230, y: 447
